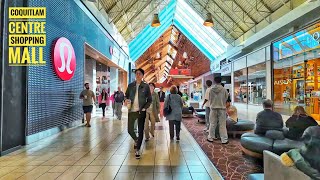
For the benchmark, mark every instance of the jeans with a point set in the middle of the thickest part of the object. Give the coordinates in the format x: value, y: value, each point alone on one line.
x: 118, y: 109
x: 150, y: 117
x: 173, y: 123
x: 132, y: 117
x: 207, y: 117
x: 103, y: 106
x: 218, y: 115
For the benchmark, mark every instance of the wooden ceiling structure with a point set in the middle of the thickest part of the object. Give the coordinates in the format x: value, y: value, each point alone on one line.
x: 155, y: 67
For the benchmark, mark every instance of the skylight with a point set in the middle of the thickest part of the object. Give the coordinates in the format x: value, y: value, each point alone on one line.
x: 191, y: 25
x: 182, y: 16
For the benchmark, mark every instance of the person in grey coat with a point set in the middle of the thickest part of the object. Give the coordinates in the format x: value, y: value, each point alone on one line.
x: 218, y: 97
x: 175, y: 117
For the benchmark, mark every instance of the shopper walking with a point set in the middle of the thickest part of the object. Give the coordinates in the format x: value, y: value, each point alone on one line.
x: 175, y: 117
x: 138, y: 99
x: 113, y: 103
x: 88, y: 98
x: 206, y: 104
x: 162, y: 96
x: 118, y: 98
x: 152, y: 113
x: 218, y: 97
x: 102, y: 99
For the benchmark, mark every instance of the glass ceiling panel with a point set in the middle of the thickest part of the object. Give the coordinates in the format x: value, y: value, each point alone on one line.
x: 180, y: 14
x: 191, y: 25
x: 149, y: 34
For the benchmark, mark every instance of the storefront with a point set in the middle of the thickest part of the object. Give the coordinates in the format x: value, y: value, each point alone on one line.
x: 296, y: 63
x: 249, y: 77
x: 45, y: 99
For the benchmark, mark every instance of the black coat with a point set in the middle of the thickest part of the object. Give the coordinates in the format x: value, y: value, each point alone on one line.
x: 298, y: 124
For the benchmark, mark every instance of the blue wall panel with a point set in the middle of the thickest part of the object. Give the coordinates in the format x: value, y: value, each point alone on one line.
x: 52, y: 102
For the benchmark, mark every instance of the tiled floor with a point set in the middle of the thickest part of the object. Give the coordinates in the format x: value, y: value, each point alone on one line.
x: 105, y: 151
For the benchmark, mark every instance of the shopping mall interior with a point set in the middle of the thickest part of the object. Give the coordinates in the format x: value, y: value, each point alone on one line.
x: 266, y: 54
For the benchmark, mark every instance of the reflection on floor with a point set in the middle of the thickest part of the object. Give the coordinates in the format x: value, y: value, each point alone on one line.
x: 105, y: 151
x: 227, y: 158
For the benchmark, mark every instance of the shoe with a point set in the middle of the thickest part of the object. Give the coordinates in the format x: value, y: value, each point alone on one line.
x: 135, y: 145
x: 207, y: 131
x: 89, y: 125
x: 147, y: 139
x: 178, y: 138
x: 227, y: 142
x: 137, y: 155
x: 210, y: 139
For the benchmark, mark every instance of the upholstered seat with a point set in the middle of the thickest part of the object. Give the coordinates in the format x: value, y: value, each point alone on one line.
x: 281, y: 146
x: 242, y: 125
x: 254, y: 145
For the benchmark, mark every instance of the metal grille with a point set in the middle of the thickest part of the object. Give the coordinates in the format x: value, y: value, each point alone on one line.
x: 52, y: 102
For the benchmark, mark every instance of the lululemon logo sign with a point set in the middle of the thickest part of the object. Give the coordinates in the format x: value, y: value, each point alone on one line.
x: 110, y: 50
x: 64, y: 59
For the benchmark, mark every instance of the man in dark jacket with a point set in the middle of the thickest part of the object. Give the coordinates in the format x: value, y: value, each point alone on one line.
x: 118, y: 99
x: 268, y: 119
x: 179, y: 92
x: 162, y: 96
x: 138, y: 99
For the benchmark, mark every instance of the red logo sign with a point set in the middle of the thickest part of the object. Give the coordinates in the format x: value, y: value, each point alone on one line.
x: 186, y: 72
x: 110, y: 50
x: 64, y: 59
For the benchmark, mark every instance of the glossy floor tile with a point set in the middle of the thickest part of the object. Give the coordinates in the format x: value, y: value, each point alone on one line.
x: 105, y: 151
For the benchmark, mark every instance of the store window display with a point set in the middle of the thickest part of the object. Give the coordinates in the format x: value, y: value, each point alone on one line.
x: 257, y: 84
x: 297, y: 72
x: 240, y: 86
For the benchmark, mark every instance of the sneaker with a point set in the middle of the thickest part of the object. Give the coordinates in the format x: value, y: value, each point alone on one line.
x: 147, y: 139
x: 210, y: 139
x: 205, y: 130
x: 227, y: 142
x: 178, y: 138
x: 137, y: 155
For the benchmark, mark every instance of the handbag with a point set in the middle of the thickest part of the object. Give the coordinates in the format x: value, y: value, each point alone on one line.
x: 167, y: 110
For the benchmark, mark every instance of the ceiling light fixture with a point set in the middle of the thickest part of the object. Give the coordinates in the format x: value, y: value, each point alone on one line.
x: 155, y: 21
x: 208, y: 22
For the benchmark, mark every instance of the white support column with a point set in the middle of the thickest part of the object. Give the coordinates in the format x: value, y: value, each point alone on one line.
x: 268, y: 79
x: 114, y: 79
x: 232, y: 84
x: 94, y: 83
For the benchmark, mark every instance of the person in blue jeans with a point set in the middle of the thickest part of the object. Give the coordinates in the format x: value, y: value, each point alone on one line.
x: 175, y: 117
